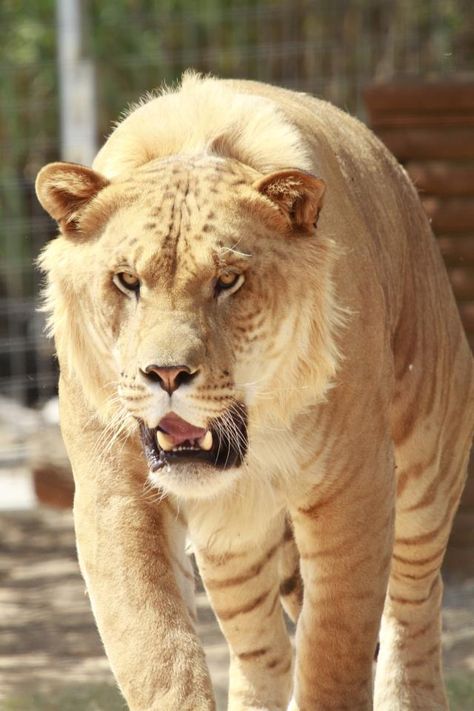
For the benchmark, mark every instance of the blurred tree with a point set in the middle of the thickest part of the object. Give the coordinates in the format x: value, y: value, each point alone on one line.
x: 28, y: 123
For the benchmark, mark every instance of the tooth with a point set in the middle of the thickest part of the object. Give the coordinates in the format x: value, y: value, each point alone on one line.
x: 206, y: 441
x: 165, y: 442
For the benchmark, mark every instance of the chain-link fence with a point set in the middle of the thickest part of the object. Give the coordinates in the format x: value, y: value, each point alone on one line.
x: 332, y: 48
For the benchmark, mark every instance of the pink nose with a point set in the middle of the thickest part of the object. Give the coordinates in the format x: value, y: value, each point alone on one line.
x: 169, y: 377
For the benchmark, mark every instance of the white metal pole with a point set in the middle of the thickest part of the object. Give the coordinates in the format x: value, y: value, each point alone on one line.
x: 76, y: 87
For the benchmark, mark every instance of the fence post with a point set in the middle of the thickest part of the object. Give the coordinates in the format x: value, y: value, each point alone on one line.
x: 76, y: 86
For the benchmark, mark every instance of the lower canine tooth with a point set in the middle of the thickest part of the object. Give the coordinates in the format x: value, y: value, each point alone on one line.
x: 165, y: 442
x: 206, y: 441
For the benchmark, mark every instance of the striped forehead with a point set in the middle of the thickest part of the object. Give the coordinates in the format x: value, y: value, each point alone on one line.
x: 176, y: 209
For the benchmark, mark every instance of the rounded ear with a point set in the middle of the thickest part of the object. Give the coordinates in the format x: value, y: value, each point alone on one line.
x: 64, y: 189
x: 298, y: 196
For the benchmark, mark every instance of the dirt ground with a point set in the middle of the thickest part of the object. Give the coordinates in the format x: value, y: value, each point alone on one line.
x: 49, y: 643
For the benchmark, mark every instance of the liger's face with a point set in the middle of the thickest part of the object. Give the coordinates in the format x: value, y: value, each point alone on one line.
x: 196, y: 291
x: 190, y: 300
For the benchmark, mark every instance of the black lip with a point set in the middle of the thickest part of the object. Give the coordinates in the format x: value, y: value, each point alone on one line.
x: 230, y: 442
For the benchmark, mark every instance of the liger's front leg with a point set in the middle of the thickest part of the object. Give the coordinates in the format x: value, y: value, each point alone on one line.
x: 244, y: 588
x: 344, y: 533
x: 129, y: 565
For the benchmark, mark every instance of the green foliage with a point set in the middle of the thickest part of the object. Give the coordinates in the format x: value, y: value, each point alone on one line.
x: 105, y: 697
x: 94, y: 697
x: 28, y: 127
x: 460, y: 690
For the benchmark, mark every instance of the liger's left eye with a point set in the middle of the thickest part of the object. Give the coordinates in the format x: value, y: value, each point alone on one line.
x: 228, y: 281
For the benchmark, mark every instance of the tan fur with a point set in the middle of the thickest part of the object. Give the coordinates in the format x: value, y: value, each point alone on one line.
x: 345, y: 345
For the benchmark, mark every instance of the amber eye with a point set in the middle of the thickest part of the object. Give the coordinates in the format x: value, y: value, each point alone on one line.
x: 229, y: 282
x: 126, y: 282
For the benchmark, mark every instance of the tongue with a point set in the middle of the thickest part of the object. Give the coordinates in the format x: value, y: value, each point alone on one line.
x: 179, y: 430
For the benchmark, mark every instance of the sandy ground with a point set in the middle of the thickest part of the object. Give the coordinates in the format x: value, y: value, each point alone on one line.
x: 48, y: 638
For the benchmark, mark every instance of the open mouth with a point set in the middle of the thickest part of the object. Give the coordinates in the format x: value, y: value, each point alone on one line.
x: 223, y: 444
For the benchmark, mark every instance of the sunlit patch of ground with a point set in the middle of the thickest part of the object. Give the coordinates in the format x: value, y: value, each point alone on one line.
x: 51, y: 658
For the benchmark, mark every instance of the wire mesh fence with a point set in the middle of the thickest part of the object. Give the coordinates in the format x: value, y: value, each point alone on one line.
x: 332, y: 48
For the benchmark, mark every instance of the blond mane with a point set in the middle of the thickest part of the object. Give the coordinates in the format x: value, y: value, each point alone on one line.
x: 204, y: 116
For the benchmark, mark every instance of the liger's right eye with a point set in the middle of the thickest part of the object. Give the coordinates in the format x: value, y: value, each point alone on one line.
x: 126, y: 282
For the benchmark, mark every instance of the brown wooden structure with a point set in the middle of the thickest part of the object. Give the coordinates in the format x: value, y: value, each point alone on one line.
x: 430, y: 129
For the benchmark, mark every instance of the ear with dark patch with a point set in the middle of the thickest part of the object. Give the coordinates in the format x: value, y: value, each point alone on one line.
x: 297, y: 195
x: 65, y: 189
